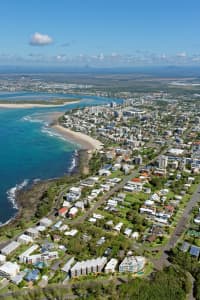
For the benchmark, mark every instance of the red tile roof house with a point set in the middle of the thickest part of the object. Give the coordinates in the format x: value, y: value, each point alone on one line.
x: 169, y: 209
x: 62, y: 211
x: 136, y: 180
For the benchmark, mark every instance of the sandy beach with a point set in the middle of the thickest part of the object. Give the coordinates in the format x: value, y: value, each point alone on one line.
x: 33, y: 105
x: 82, y: 139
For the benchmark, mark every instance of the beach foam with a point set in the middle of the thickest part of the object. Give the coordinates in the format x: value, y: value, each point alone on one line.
x: 36, y: 180
x: 47, y: 130
x: 74, y: 161
x: 12, y: 192
x: 34, y: 119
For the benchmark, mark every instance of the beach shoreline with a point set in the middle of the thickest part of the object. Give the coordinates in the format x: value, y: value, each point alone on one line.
x: 85, y: 141
x: 34, y: 105
x: 88, y: 145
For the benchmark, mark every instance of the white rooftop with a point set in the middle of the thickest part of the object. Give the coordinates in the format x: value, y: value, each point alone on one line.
x: 10, y: 247
x: 87, y: 263
x: 9, y: 268
x: 176, y: 151
x: 45, y: 221
x: 25, y: 237
x: 28, y: 251
x: 73, y: 232
x: 111, y: 264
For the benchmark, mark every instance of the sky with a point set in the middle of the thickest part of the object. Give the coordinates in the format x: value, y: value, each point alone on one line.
x: 100, y: 33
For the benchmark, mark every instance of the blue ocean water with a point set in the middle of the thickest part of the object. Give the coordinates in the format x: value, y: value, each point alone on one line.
x: 31, y: 151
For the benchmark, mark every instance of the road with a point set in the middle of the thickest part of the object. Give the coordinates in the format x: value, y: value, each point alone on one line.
x: 117, y: 188
x: 105, y: 197
x: 192, y: 280
x: 178, y: 231
x: 181, y: 225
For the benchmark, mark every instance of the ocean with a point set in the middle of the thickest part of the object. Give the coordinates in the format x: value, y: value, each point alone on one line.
x: 30, y: 150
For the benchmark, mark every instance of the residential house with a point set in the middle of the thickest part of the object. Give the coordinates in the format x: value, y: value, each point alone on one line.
x: 28, y: 252
x: 62, y: 211
x: 57, y: 225
x: 33, y: 232
x: 135, y: 235
x: 118, y: 226
x: 185, y: 247
x: 88, y: 266
x: 25, y: 239
x: 32, y: 275
x: 128, y: 232
x: 72, y: 232
x: 73, y: 212
x: 2, y: 259
x: 12, y: 246
x: 74, y: 194
x: 195, y: 251
x: 197, y: 219
x: 9, y: 269
x: 132, y: 264
x: 134, y: 186
x: 67, y: 265
x: 46, y: 222
x: 111, y: 266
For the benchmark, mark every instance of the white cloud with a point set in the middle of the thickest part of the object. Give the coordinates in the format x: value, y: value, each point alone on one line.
x: 61, y: 58
x: 101, y: 56
x: 38, y: 39
x: 163, y: 56
x: 181, y: 54
x: 196, y: 59
x: 114, y: 54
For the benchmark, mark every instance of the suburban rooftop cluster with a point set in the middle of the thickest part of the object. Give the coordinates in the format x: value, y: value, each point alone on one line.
x: 117, y: 218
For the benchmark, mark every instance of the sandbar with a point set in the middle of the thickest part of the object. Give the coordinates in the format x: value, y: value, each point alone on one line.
x: 33, y: 105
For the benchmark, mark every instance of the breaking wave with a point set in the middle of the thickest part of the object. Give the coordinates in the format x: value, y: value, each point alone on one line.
x: 36, y: 180
x: 74, y: 161
x: 34, y: 119
x: 12, y: 192
x: 50, y: 132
